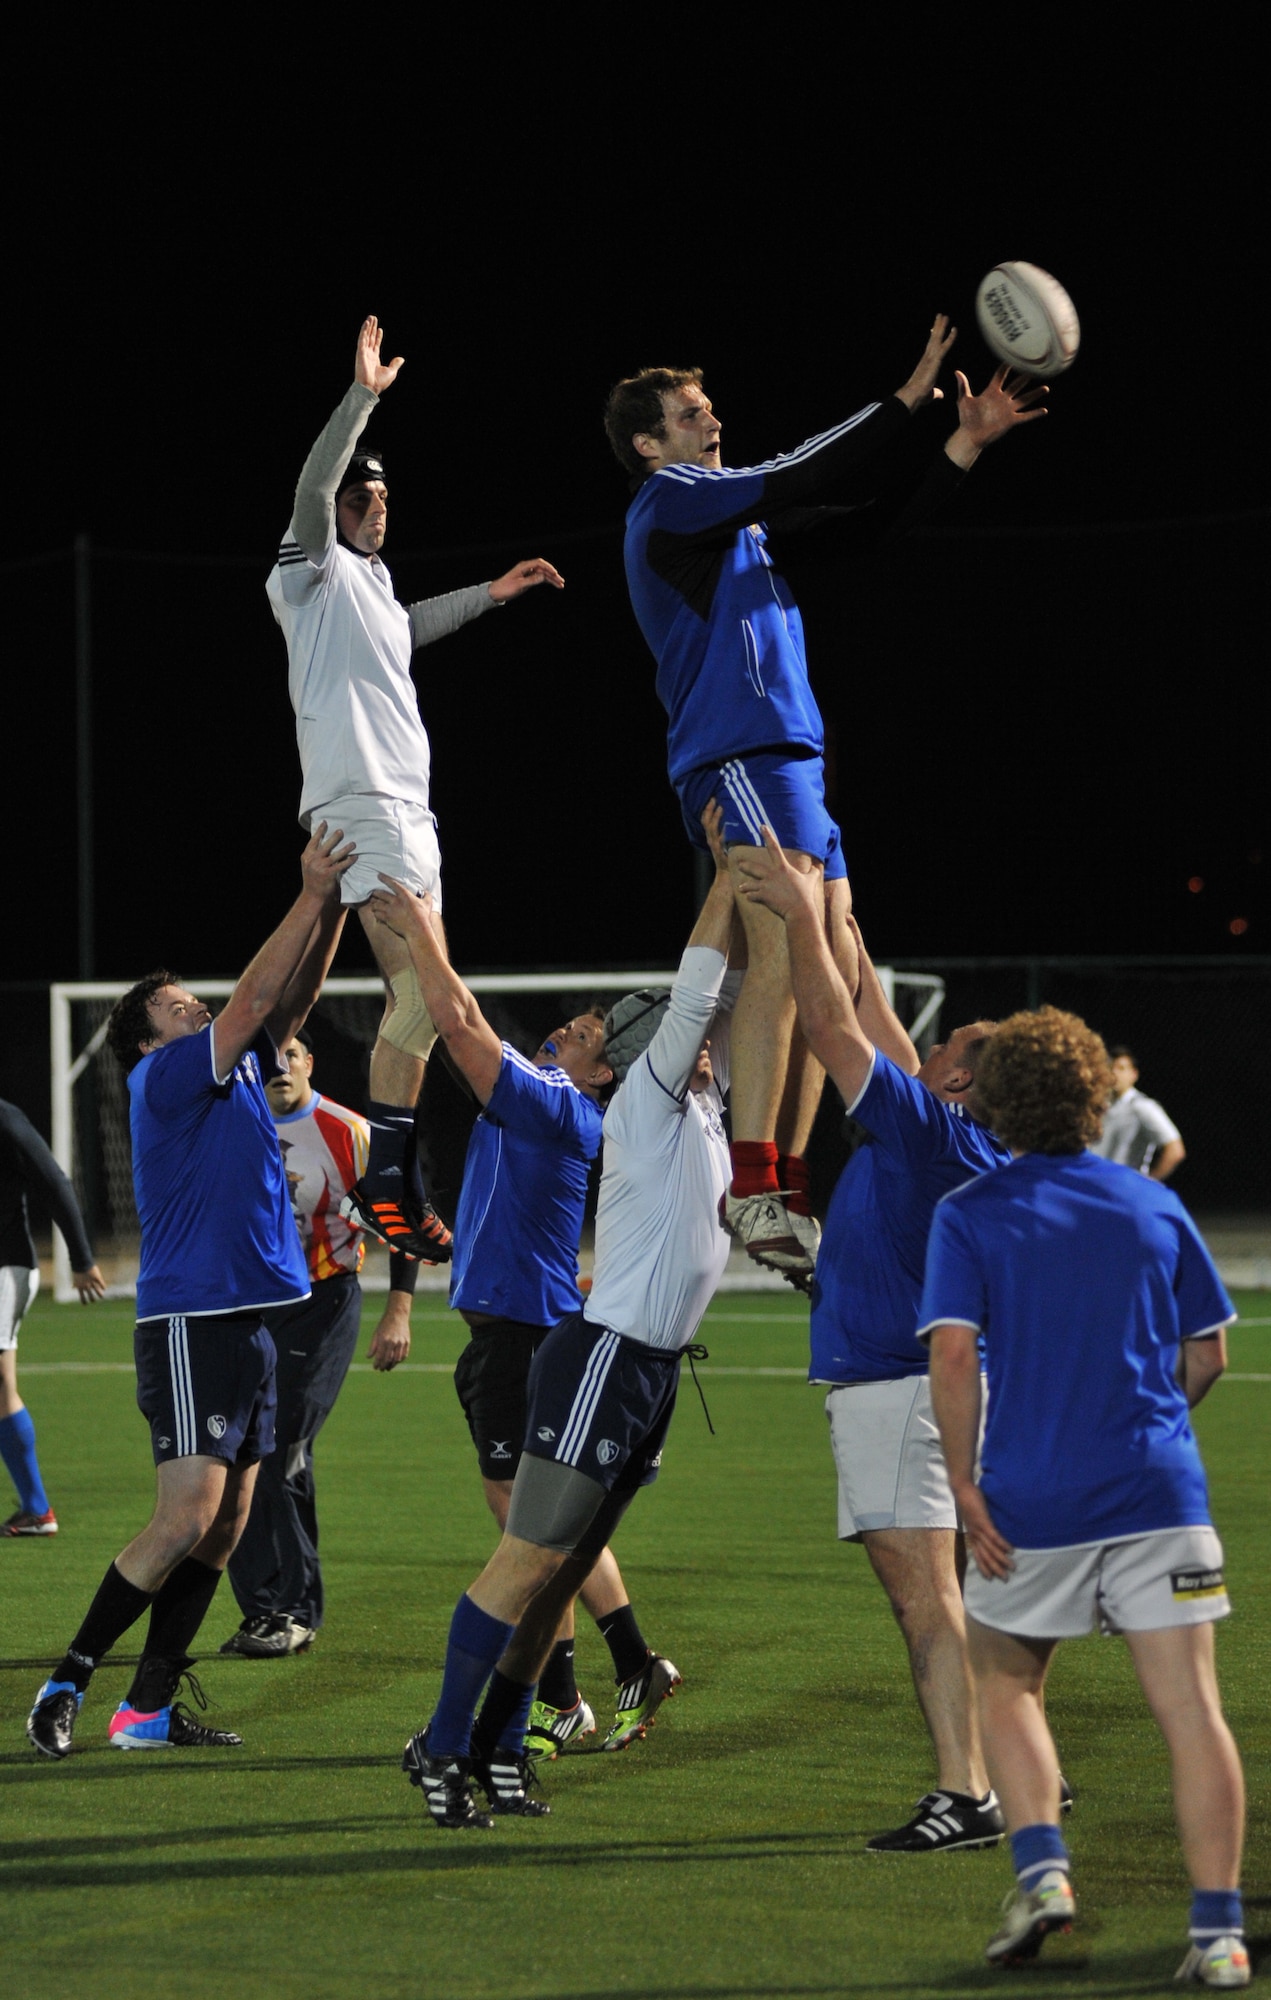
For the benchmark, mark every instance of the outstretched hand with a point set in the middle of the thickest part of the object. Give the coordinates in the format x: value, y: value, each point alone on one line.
x: 712, y: 823
x: 523, y: 576
x: 368, y: 369
x: 1009, y: 400
x: 324, y: 861
x: 921, y: 386
x: 763, y: 875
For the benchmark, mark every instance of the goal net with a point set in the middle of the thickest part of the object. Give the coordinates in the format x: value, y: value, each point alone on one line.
x: 90, y: 1094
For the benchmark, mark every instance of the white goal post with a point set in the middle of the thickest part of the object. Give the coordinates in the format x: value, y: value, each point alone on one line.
x: 90, y: 1095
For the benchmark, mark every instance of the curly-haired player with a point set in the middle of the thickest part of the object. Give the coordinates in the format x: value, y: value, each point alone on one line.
x: 1102, y: 1320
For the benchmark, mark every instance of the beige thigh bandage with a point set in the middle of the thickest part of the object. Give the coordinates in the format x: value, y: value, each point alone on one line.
x: 409, y: 1027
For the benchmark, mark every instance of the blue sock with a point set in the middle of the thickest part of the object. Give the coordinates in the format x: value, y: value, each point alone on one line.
x: 512, y: 1735
x: 476, y: 1643
x: 17, y: 1449
x: 1216, y: 1913
x: 1035, y: 1849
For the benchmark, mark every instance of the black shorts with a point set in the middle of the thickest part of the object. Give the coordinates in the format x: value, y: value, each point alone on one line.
x: 205, y: 1386
x: 601, y: 1403
x: 490, y: 1381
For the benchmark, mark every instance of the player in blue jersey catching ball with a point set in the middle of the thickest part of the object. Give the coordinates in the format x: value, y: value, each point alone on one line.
x: 1102, y: 1321
x: 219, y: 1248
x: 744, y: 727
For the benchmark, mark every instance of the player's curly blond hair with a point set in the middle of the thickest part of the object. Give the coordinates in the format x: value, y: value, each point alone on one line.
x: 1044, y: 1082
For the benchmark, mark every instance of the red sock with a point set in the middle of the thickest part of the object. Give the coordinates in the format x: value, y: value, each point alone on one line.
x: 795, y: 1182
x: 754, y: 1167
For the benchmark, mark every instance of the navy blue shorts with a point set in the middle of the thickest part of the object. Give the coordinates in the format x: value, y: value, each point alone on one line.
x: 601, y: 1403
x: 205, y: 1385
x: 768, y: 788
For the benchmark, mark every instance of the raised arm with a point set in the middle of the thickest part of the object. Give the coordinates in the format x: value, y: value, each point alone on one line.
x: 826, y: 1013
x: 433, y: 618
x: 469, y: 1039
x: 313, y: 515
x: 875, y: 1014
x: 255, y: 1001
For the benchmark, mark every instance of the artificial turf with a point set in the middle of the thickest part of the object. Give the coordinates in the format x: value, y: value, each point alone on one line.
x: 722, y: 1857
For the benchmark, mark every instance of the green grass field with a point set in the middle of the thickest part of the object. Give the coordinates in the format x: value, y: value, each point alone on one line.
x: 722, y: 1857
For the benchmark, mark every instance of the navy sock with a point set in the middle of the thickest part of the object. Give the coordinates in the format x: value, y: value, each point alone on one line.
x: 17, y: 1449
x: 1035, y: 1850
x: 477, y: 1642
x: 625, y: 1641
x: 117, y: 1605
x: 179, y: 1608
x: 558, y: 1687
x: 388, y: 1170
x: 1216, y: 1913
x: 504, y: 1717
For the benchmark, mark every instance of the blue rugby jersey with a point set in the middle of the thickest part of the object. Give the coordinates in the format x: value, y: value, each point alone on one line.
x: 1081, y: 1277
x: 520, y: 1210
x: 868, y: 1282
x: 718, y: 617
x: 217, y: 1232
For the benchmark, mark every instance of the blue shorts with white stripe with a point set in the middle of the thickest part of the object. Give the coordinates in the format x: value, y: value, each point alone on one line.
x: 601, y: 1403
x: 768, y: 788
x: 205, y: 1385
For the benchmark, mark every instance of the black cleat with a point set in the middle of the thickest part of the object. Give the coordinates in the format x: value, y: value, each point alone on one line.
x: 419, y: 1233
x: 153, y: 1721
x: 444, y: 1784
x: 51, y: 1722
x: 942, y: 1822
x: 506, y: 1780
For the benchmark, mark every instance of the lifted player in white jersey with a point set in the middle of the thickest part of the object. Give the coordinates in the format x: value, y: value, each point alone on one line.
x: 362, y: 743
x: 603, y: 1384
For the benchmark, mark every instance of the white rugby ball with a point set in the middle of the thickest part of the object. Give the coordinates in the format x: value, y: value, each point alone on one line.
x: 1028, y: 319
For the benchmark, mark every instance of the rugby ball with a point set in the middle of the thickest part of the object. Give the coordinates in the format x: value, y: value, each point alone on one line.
x: 1028, y: 319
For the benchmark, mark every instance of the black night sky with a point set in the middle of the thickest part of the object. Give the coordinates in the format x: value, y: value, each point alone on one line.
x: 1046, y: 712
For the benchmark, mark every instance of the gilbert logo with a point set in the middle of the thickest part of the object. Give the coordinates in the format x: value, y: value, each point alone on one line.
x: 216, y: 1426
x: 500, y: 1448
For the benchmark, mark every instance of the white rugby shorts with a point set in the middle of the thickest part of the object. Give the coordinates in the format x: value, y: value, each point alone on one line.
x: 1142, y: 1584
x: 886, y: 1446
x: 18, y: 1286
x: 393, y: 837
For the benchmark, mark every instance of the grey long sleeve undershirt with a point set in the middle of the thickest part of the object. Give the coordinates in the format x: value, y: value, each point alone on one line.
x: 313, y: 518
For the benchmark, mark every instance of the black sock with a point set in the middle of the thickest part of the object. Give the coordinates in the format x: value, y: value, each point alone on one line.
x: 177, y: 1611
x: 388, y: 1169
x: 626, y: 1642
x: 503, y: 1698
x: 117, y: 1605
x: 558, y: 1687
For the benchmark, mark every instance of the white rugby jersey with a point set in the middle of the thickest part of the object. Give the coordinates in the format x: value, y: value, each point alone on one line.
x: 1134, y: 1130
x: 324, y: 1150
x: 660, y: 1246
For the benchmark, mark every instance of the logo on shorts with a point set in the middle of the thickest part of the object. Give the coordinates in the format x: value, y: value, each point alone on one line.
x: 654, y: 1463
x: 164, y: 1443
x: 606, y: 1451
x: 546, y: 1432
x: 1190, y: 1583
x: 216, y: 1426
x: 500, y: 1448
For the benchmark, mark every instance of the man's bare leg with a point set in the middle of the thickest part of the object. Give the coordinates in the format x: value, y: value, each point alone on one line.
x: 1175, y: 1667
x: 1009, y: 1674
x: 917, y: 1570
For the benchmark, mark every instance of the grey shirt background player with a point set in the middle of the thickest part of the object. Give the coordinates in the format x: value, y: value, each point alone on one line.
x: 919, y: 1568
x: 275, y: 1572
x: 1137, y: 1131
x: 28, y: 1167
x: 776, y: 1085
x: 326, y: 502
